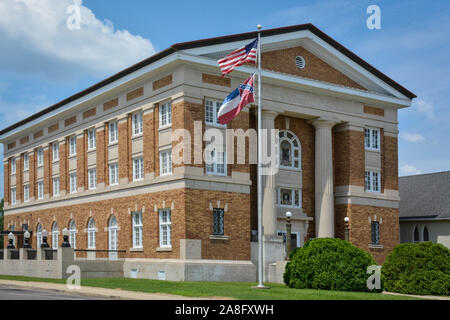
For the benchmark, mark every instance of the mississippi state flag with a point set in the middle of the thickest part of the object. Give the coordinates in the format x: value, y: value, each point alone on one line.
x: 236, y: 101
x: 238, y: 57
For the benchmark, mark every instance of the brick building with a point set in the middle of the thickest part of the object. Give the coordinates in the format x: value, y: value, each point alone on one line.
x: 100, y: 163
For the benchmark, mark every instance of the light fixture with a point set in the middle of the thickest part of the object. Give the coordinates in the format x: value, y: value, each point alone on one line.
x: 288, y: 214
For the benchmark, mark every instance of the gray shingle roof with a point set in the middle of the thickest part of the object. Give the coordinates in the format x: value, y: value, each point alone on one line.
x: 425, y: 195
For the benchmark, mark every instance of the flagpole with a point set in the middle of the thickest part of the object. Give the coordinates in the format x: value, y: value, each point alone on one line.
x: 259, y: 195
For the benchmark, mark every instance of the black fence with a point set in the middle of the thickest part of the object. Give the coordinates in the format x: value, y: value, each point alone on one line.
x: 31, y: 254
x: 50, y: 254
x: 14, y: 254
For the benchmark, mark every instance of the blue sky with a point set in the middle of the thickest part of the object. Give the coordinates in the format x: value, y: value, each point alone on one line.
x: 43, y: 62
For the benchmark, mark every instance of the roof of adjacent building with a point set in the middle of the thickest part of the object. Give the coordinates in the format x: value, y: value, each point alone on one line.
x: 213, y: 41
x: 425, y: 196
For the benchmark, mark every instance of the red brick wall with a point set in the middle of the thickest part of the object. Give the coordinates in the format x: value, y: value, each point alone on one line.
x: 47, y: 172
x: 81, y: 160
x: 149, y: 141
x: 390, y: 162
x: 123, y: 147
x: 100, y: 155
x: 32, y: 172
x: 7, y: 186
x: 349, y: 158
x: 63, y: 166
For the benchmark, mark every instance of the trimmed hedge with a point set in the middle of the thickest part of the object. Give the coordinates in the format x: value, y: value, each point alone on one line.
x: 418, y: 268
x: 327, y: 263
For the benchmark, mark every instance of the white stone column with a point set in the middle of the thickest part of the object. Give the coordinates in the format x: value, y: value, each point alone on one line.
x: 324, y: 197
x: 269, y: 209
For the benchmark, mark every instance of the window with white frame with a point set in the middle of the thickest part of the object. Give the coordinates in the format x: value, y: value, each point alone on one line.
x: 216, y: 162
x: 375, y: 232
x: 211, y: 112
x: 373, y: 181
x: 137, y: 125
x: 165, y: 161
x: 113, y: 174
x: 92, y: 174
x: 41, y: 190
x: 91, y: 139
x: 165, y: 226
x: 26, y: 162
x: 26, y: 193
x: 72, y: 146
x: 372, y: 139
x: 55, y: 149
x: 38, y: 235
x: 40, y: 157
x: 287, y: 197
x: 138, y: 169
x: 91, y: 234
x: 56, y: 187
x: 73, y: 234
x: 55, y: 234
x: 113, y: 132
x: 13, y: 196
x: 137, y: 229
x: 13, y: 165
x: 290, y: 150
x: 165, y: 114
x: 73, y: 182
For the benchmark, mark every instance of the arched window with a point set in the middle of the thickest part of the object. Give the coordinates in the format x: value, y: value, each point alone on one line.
x: 425, y: 234
x: 416, y: 234
x: 113, y: 244
x: 38, y: 235
x: 73, y: 234
x: 55, y: 234
x: 91, y: 233
x: 290, y: 150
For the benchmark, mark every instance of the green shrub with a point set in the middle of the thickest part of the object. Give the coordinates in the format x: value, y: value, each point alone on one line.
x: 418, y: 268
x: 327, y: 263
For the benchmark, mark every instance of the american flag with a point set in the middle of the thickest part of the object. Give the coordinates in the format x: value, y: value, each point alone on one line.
x: 238, y: 57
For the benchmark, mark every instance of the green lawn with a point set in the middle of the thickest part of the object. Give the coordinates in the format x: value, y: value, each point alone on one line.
x: 237, y: 290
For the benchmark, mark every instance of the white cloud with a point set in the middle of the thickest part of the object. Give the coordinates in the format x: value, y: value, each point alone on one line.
x: 35, y: 39
x: 408, y: 170
x: 425, y: 107
x: 412, y: 137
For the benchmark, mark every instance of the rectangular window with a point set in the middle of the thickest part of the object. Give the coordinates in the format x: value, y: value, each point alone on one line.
x: 211, y: 112
x: 165, y: 114
x: 13, y: 196
x: 375, y: 234
x: 165, y: 226
x: 40, y: 157
x: 55, y: 149
x: 55, y: 187
x: 113, y: 174
x: 165, y: 160
x: 40, y: 190
x: 26, y: 193
x: 218, y: 221
x: 92, y: 173
x: 26, y: 162
x: 216, y: 163
x: 72, y: 146
x: 138, y: 169
x: 13, y: 165
x: 372, y: 181
x: 287, y: 197
x: 73, y: 182
x: 137, y: 123
x: 372, y: 139
x: 113, y: 132
x: 91, y: 139
x: 137, y: 229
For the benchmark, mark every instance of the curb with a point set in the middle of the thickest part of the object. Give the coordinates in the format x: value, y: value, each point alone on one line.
x: 417, y: 296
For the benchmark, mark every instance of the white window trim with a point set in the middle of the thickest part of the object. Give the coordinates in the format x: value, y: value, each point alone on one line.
x: 56, y: 194
x: 141, y: 168
x: 113, y: 138
x: 72, y: 149
x: 94, y: 185
x: 40, y: 157
x: 40, y: 183
x: 371, y: 182
x: 140, y: 227
x: 370, y: 148
x: 293, y: 148
x: 169, y: 229
x: 216, y: 106
x: 140, y: 122
x: 92, y: 134
x: 168, y: 119
x: 215, y: 164
x: 116, y: 173
x: 25, y: 187
x: 55, y: 155
x: 13, y: 166
x: 91, y: 230
x: 161, y: 164
x: 55, y: 234
x: 71, y: 176
x: 73, y: 234
x: 13, y: 198
x: 27, y: 162
x: 292, y: 198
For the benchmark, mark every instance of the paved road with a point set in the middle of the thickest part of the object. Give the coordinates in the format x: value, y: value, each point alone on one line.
x: 16, y: 293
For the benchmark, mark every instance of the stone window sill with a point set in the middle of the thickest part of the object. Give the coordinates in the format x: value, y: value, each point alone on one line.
x: 376, y: 246
x: 136, y: 249
x: 217, y: 237
x: 164, y: 249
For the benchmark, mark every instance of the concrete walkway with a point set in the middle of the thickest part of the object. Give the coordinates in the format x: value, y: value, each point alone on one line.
x: 417, y: 296
x: 102, y: 292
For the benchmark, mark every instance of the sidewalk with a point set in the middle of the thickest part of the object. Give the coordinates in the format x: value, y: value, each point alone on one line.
x: 103, y: 292
x: 417, y: 296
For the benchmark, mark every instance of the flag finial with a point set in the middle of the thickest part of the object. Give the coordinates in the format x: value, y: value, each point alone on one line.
x: 259, y: 27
